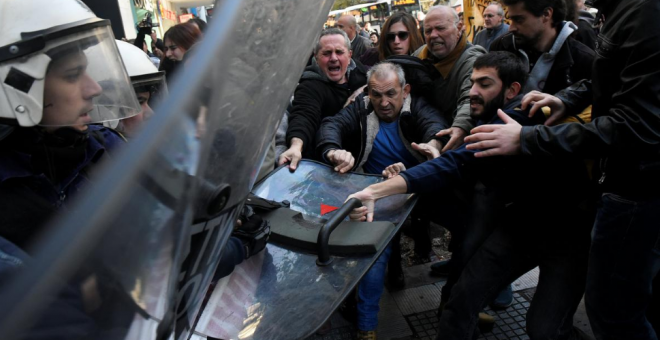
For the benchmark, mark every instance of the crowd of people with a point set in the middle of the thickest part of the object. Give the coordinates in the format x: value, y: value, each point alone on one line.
x: 508, y: 139
x: 534, y: 144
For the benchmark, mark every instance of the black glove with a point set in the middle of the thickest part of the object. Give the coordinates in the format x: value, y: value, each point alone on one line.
x: 254, y: 231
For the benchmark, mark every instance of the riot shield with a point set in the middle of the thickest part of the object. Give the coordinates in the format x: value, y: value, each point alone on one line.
x: 132, y: 255
x: 284, y: 293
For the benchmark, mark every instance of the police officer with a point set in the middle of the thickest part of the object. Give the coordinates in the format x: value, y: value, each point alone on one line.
x: 53, y: 72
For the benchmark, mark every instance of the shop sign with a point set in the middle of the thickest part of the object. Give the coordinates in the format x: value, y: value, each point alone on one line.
x: 403, y: 2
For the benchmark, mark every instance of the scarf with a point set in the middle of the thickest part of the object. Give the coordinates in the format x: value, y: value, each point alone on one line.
x: 445, y: 65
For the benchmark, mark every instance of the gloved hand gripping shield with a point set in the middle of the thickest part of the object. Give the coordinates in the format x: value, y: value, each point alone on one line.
x: 84, y: 72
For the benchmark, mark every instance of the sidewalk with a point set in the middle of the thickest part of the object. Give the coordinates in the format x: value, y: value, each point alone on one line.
x: 411, y: 313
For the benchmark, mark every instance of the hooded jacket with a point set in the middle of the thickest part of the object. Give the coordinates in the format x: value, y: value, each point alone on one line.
x: 625, y: 127
x: 572, y: 62
x: 315, y: 98
x: 355, y: 128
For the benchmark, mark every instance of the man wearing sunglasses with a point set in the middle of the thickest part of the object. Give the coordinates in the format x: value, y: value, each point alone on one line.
x: 494, y: 26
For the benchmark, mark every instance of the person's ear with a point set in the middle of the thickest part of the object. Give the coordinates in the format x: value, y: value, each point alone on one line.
x: 406, y: 90
x: 513, y: 90
x: 547, y: 14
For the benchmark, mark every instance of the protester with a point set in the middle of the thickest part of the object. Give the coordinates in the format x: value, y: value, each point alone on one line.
x: 514, y: 247
x: 374, y: 37
x: 494, y: 26
x: 400, y: 35
x: 322, y: 91
x: 540, y: 36
x: 359, y: 43
x: 624, y: 134
x: 378, y: 129
x: 178, y: 40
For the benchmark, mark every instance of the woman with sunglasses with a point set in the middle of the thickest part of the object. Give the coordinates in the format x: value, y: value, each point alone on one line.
x: 400, y: 36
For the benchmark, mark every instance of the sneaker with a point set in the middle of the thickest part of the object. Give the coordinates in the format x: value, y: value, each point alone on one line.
x: 366, y: 335
x: 503, y: 299
x: 440, y: 268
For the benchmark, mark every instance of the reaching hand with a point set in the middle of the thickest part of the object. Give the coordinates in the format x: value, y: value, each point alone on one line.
x: 456, y: 136
x: 538, y: 100
x: 496, y: 140
x: 341, y: 159
x: 366, y: 211
x: 292, y: 155
x: 426, y: 149
x: 393, y: 170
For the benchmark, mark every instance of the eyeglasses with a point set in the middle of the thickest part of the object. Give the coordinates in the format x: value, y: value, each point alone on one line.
x: 489, y: 15
x: 401, y: 34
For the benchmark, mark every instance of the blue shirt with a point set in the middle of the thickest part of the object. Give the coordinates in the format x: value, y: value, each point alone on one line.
x: 388, y: 149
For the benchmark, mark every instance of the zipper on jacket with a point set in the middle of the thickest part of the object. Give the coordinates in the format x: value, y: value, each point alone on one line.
x: 362, y: 147
x: 603, y: 163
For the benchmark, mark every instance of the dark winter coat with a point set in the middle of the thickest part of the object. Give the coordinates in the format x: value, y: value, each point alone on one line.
x: 572, y: 63
x: 625, y: 127
x: 315, y: 98
x: 355, y: 128
x: 28, y: 198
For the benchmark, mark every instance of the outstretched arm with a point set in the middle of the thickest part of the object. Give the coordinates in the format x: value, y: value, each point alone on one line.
x: 368, y: 196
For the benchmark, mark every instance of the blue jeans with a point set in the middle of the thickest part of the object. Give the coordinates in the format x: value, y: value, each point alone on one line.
x: 624, y: 259
x: 370, y: 290
x: 557, y: 242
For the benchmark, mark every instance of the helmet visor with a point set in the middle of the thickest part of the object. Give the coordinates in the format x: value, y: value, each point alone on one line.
x: 86, y: 82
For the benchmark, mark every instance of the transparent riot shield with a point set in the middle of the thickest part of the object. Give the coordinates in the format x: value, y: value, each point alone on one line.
x: 132, y: 254
x: 284, y: 293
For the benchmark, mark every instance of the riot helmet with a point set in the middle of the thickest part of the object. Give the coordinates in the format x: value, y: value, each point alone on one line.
x: 53, y: 70
x: 148, y: 84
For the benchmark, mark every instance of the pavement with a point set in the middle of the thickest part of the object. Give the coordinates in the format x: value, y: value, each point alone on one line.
x: 410, y: 313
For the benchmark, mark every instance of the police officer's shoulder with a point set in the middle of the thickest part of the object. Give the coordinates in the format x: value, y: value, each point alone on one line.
x: 108, y: 137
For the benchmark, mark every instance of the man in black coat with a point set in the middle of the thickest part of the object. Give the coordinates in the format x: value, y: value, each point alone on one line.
x: 540, y: 36
x: 323, y: 91
x: 624, y: 133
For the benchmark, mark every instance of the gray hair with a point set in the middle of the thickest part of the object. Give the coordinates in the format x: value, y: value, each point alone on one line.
x: 500, y: 10
x: 332, y: 31
x: 385, y: 68
x: 448, y: 9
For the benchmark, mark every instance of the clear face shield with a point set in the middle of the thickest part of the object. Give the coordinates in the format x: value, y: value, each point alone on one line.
x: 86, y: 82
x: 148, y: 89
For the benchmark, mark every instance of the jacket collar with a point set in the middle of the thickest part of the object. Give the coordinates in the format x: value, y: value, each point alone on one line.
x: 17, y: 164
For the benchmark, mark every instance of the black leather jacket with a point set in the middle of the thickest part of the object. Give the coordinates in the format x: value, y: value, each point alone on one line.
x: 625, y: 92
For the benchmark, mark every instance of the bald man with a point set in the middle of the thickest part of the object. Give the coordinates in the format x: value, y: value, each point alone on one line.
x: 359, y: 44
